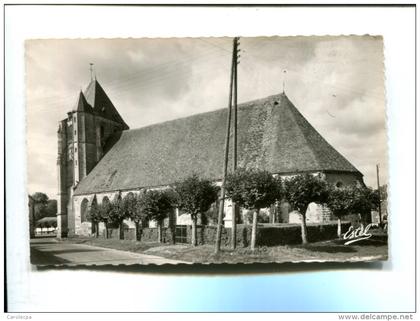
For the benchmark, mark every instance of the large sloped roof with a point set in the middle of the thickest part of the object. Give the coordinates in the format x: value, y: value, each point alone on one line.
x: 272, y: 135
x: 101, y: 104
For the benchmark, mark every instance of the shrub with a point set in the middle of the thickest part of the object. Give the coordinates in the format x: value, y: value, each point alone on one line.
x: 195, y: 196
x: 300, y: 191
x: 253, y: 189
x: 156, y: 205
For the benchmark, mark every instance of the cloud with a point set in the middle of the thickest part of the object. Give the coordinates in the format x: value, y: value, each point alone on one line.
x: 336, y: 83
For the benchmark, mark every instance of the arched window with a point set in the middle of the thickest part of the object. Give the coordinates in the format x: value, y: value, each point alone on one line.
x: 105, y: 200
x: 129, y: 196
x: 70, y: 153
x: 84, y: 210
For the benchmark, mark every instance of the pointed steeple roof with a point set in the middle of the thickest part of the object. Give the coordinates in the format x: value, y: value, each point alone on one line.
x: 101, y: 104
x: 82, y: 104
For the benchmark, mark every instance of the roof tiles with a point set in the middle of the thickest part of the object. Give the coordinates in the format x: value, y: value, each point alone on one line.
x: 272, y: 135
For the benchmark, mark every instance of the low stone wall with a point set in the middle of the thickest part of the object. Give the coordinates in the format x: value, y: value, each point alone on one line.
x: 150, y: 234
x: 113, y: 233
x: 283, y: 234
x: 129, y: 234
x: 267, y: 234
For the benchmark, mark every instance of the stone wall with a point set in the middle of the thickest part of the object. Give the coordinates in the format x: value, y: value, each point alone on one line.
x: 149, y: 234
x: 344, y: 179
x: 317, y: 213
x: 267, y: 234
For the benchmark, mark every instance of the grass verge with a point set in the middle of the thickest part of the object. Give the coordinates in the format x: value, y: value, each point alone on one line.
x: 333, y: 250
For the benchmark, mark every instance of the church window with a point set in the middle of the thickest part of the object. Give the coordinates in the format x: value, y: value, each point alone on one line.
x: 75, y: 149
x: 75, y: 162
x: 75, y: 132
x: 70, y: 153
x: 105, y: 200
x: 84, y: 208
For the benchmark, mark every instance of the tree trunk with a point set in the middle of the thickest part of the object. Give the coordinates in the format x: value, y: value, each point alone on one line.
x: 121, y: 226
x: 94, y: 228
x: 233, y: 236
x: 303, y: 229
x: 159, y: 230
x: 271, y: 217
x: 219, y: 230
x: 137, y: 230
x: 194, y: 230
x: 172, y: 223
x: 339, y: 228
x: 254, y: 229
x: 106, y: 230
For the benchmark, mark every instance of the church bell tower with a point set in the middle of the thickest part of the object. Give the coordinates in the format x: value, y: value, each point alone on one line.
x: 84, y: 136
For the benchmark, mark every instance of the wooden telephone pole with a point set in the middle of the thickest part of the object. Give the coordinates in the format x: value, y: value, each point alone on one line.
x: 233, y: 76
x: 235, y: 134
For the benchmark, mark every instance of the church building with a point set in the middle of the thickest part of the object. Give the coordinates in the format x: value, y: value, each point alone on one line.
x: 98, y: 154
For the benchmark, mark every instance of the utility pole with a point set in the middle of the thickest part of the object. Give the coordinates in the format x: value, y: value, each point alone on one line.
x: 379, y: 191
x: 235, y: 133
x: 226, y: 155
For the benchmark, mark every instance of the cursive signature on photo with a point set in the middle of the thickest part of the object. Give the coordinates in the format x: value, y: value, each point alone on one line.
x: 358, y: 234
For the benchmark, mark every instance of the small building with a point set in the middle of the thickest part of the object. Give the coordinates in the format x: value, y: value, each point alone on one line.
x: 99, y: 155
x: 46, y: 225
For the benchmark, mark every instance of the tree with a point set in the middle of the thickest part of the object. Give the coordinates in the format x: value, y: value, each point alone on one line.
x: 384, y: 192
x: 105, y: 210
x: 300, y: 191
x: 117, y: 214
x: 40, y: 198
x: 50, y: 209
x: 383, y: 199
x: 43, y: 206
x: 131, y: 210
x: 156, y: 205
x: 340, y: 202
x: 94, y: 216
x: 374, y: 198
x: 364, y: 201
x: 253, y: 189
x: 195, y: 196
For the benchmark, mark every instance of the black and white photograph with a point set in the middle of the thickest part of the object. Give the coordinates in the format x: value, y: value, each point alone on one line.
x: 206, y: 150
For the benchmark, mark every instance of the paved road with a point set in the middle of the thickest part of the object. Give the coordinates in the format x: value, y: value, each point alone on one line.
x: 47, y: 251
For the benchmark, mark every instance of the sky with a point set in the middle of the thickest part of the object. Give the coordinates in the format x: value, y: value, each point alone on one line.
x: 337, y: 83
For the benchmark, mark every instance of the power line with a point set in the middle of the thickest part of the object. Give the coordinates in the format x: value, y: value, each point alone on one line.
x: 144, y: 79
x: 128, y: 83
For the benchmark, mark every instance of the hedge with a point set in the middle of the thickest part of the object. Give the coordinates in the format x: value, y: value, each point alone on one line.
x: 267, y: 234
